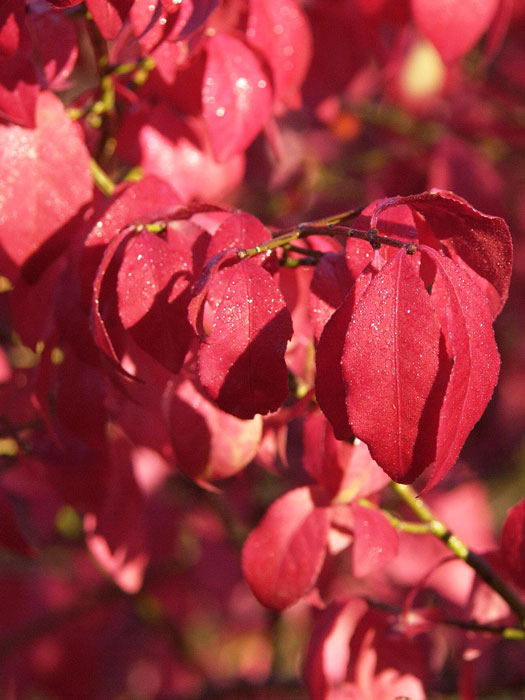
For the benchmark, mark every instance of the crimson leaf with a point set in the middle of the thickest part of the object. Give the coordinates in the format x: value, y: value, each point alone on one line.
x: 466, y: 321
x: 390, y: 362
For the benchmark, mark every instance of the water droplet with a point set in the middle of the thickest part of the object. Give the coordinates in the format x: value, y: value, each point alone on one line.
x: 261, y: 84
x: 242, y: 84
x: 220, y: 112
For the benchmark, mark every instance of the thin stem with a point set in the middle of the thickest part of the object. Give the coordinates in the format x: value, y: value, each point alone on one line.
x: 497, y: 630
x: 285, y: 239
x: 460, y: 549
x: 102, y: 180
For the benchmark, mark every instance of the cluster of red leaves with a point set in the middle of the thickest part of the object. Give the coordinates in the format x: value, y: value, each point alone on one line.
x: 152, y: 333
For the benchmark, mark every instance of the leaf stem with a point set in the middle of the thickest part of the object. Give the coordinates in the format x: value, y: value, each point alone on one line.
x: 513, y: 633
x: 102, y: 180
x: 460, y: 549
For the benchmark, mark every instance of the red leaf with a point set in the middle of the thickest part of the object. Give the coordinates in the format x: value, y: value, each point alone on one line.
x: 236, y: 96
x: 390, y: 362
x: 109, y: 15
x: 328, y: 654
x: 454, y: 26
x: 241, y: 363
x: 282, y: 557
x: 153, y: 293
x: 46, y: 178
x: 513, y: 543
x: 466, y: 321
x: 11, y: 25
x: 481, y: 242
x: 375, y: 541
x: 280, y: 31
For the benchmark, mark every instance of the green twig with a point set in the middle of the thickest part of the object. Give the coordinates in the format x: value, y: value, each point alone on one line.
x: 460, y: 549
x: 102, y: 180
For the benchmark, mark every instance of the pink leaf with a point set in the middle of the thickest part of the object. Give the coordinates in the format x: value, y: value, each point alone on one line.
x: 241, y: 363
x: 513, y: 543
x: 282, y: 557
x: 46, y: 178
x: 279, y: 30
x: 236, y: 96
x: 375, y: 541
x: 390, y: 362
x: 466, y: 321
x: 454, y: 26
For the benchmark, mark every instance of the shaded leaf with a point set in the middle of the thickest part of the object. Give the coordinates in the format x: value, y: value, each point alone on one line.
x: 330, y: 284
x: 153, y: 288
x: 241, y: 362
x: 208, y: 443
x: 330, y: 388
x: 328, y: 653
